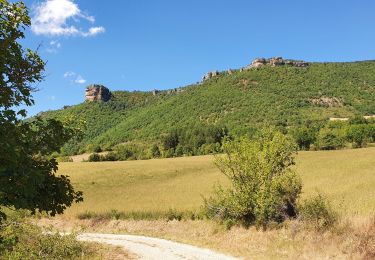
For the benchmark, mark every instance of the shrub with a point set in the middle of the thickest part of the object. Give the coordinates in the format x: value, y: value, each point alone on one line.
x: 20, y: 240
x: 360, y: 135
x: 304, y: 137
x: 125, y: 152
x: 170, y: 141
x: 318, y: 213
x: 111, y: 156
x: 94, y: 158
x: 264, y: 188
x: 155, y: 152
x: 64, y: 159
x: 330, y: 139
x: 97, y: 149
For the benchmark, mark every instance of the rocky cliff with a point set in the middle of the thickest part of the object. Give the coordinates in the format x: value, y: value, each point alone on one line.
x: 97, y: 93
x: 260, y: 62
x: 276, y: 61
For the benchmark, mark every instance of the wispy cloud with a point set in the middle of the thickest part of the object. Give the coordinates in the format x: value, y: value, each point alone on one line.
x: 74, y: 77
x: 69, y: 74
x: 53, y: 46
x: 94, y: 31
x: 57, y: 18
x: 80, y: 80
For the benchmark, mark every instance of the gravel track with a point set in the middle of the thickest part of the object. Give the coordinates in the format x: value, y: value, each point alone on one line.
x: 153, y: 248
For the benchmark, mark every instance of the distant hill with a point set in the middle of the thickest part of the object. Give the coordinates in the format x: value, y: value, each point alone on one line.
x: 242, y: 100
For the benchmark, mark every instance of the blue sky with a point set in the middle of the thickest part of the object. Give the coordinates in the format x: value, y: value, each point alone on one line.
x: 161, y: 44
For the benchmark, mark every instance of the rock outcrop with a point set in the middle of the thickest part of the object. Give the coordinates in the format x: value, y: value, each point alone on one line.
x: 97, y: 93
x: 210, y: 75
x: 175, y: 90
x: 327, y: 102
x: 276, y: 61
x: 155, y: 92
x: 260, y: 62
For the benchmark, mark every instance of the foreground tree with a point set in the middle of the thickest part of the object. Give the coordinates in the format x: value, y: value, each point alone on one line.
x: 27, y: 172
x: 263, y: 188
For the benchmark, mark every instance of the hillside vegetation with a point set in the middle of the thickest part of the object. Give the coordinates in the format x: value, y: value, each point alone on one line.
x: 241, y: 101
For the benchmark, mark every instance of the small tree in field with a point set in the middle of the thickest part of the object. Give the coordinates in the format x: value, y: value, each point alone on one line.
x: 263, y: 188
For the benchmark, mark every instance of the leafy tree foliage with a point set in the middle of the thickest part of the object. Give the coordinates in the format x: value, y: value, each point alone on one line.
x: 27, y: 172
x: 195, y: 140
x: 361, y: 134
x: 264, y: 188
x: 304, y: 136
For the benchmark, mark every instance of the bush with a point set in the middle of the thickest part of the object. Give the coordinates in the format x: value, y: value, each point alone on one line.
x: 304, y: 137
x: 125, y: 152
x: 330, y: 138
x: 318, y: 213
x: 97, y: 149
x: 20, y: 240
x: 64, y: 159
x: 155, y: 151
x: 94, y: 158
x: 264, y: 187
x: 111, y: 156
x: 360, y: 135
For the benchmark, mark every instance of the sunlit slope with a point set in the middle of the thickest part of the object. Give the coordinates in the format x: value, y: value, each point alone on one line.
x: 241, y: 101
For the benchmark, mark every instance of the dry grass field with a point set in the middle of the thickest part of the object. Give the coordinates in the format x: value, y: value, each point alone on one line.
x: 353, y: 238
x: 347, y: 177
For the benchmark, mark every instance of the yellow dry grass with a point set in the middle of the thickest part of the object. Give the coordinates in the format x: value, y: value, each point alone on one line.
x: 347, y: 177
x: 293, y: 241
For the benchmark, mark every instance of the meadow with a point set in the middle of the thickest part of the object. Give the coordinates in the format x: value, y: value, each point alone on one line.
x: 346, y: 177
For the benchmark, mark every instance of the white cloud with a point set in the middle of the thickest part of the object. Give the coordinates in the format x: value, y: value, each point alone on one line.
x: 53, y: 46
x: 80, y: 80
x: 94, y: 31
x: 52, y: 98
x: 74, y: 77
x: 69, y: 74
x: 53, y: 17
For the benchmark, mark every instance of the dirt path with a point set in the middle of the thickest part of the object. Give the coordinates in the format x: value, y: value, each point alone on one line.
x: 153, y: 248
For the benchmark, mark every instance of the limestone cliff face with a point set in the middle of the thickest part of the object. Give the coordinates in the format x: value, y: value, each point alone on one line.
x: 276, y: 61
x: 260, y: 62
x: 97, y: 93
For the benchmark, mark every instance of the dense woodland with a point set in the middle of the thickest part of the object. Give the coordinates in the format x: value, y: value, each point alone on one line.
x: 293, y: 100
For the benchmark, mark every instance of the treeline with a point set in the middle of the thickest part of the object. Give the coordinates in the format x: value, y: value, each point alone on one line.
x: 203, y: 140
x: 189, y: 141
x: 355, y: 133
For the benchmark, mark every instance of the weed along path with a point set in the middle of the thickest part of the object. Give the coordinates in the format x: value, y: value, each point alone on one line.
x: 153, y: 248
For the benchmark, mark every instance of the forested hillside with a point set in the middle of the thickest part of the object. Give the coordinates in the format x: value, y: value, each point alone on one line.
x: 239, y: 102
